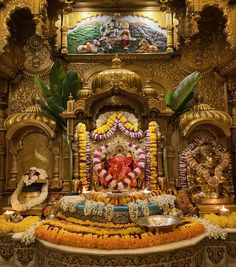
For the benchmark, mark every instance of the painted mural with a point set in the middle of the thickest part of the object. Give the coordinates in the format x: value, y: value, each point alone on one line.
x: 107, y: 34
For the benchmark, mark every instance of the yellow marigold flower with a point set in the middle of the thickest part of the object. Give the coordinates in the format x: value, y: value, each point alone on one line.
x: 123, y: 119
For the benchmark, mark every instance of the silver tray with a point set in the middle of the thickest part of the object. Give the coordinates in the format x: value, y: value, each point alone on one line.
x: 158, y: 221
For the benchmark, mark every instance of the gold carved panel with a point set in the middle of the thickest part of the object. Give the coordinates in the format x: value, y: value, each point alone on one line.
x: 35, y: 151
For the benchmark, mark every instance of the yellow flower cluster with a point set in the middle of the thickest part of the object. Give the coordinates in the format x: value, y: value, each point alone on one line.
x: 111, y: 120
x: 10, y: 227
x: 104, y: 236
x: 222, y: 221
x: 119, y: 201
x: 130, y: 126
x: 107, y: 125
x: 95, y: 230
x: 153, y: 129
x: 81, y: 130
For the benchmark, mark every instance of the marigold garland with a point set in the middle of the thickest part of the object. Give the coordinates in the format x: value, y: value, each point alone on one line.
x: 8, y: 227
x: 154, y: 134
x: 84, y: 154
x: 109, y: 127
x: 64, y: 233
x: 222, y: 220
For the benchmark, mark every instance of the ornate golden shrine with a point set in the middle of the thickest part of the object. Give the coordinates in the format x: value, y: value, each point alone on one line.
x: 192, y: 44
x: 201, y: 35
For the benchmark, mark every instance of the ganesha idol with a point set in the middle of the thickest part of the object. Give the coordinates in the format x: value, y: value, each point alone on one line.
x: 119, y: 172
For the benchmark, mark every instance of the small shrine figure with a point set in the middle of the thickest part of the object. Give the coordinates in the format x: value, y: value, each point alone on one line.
x: 207, y: 171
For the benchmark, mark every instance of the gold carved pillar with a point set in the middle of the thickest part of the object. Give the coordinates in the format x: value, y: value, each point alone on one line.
x: 76, y: 157
x: 55, y: 183
x: 3, y: 106
x: 169, y: 29
x: 69, y: 116
x: 65, y: 22
x: 12, y: 181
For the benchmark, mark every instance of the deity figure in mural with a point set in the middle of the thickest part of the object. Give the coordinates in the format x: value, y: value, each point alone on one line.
x: 110, y: 33
x: 125, y: 37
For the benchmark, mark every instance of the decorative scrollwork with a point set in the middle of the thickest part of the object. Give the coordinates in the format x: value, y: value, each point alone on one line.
x: 215, y: 254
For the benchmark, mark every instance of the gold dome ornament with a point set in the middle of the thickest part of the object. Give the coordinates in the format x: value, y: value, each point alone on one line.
x: 204, y: 114
x: 85, y: 91
x: 149, y: 91
x: 117, y: 77
x: 33, y: 116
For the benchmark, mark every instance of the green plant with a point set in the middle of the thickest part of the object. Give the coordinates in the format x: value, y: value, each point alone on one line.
x: 181, y: 99
x: 61, y: 85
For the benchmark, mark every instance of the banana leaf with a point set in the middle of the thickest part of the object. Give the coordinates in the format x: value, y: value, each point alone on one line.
x: 180, y: 99
x: 42, y: 87
x: 61, y: 85
x: 187, y: 102
x: 50, y: 96
x: 57, y: 76
x: 71, y: 84
x: 50, y: 113
x: 169, y: 99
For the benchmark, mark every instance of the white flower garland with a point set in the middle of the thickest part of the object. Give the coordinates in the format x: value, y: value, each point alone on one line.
x: 164, y: 202
x: 213, y: 231
x: 28, y: 178
x: 28, y: 236
x: 99, y: 209
x: 144, y: 207
x: 133, y: 211
x: 109, y: 212
x: 69, y: 203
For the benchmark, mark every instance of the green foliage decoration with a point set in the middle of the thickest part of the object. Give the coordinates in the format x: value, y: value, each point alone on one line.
x: 181, y: 99
x: 61, y: 85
